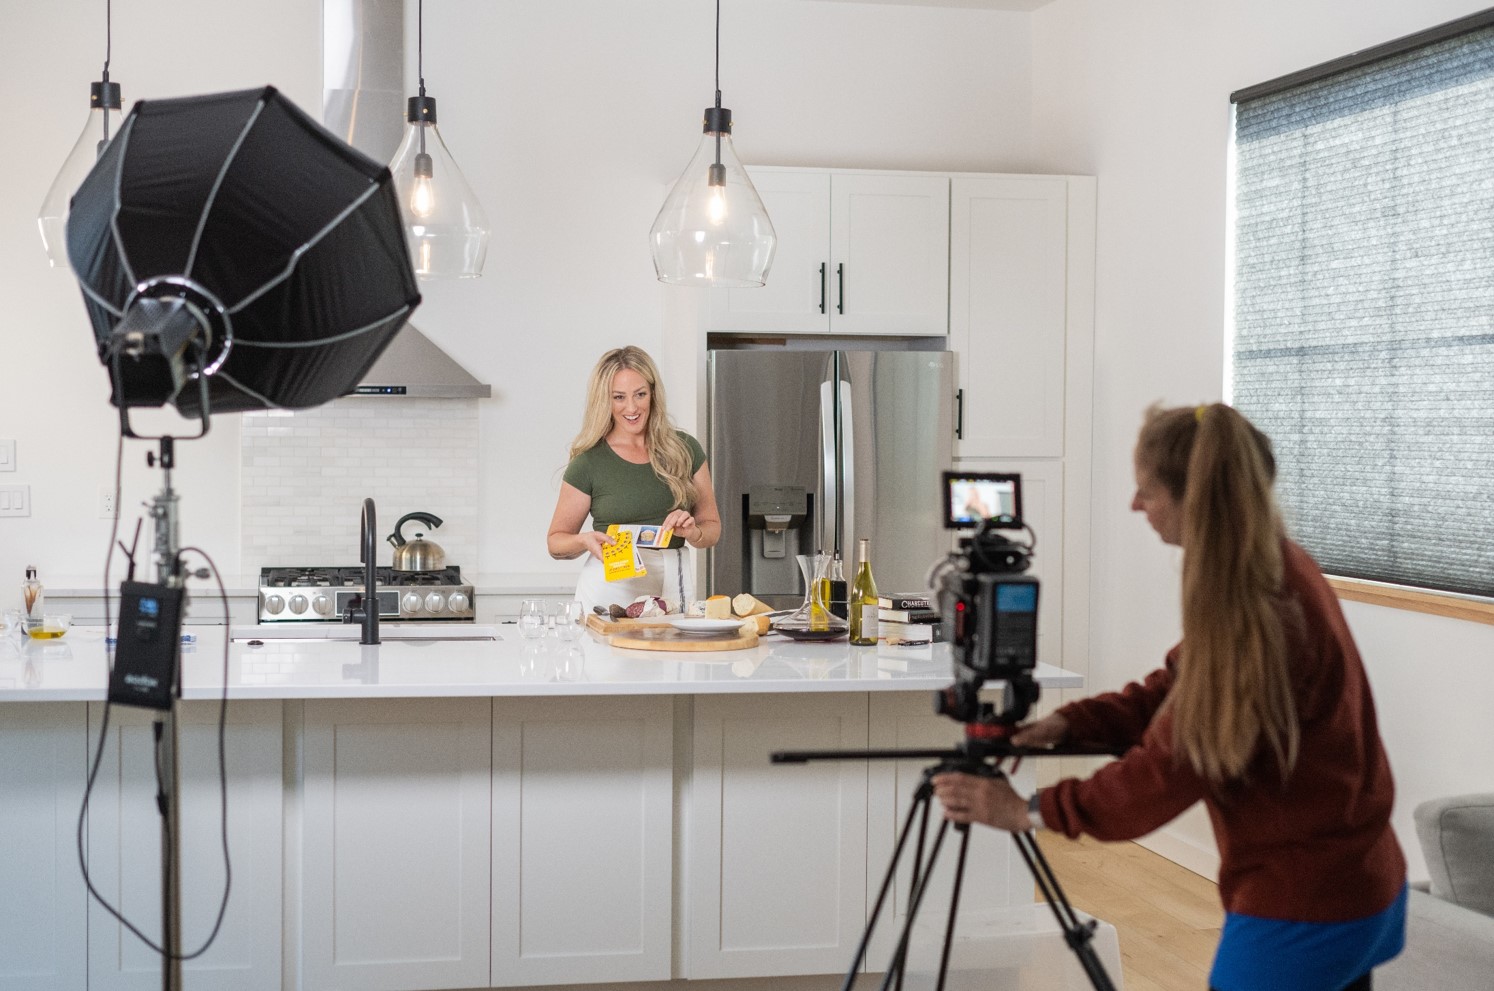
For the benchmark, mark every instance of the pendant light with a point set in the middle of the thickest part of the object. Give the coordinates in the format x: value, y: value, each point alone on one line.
x: 713, y: 229
x: 103, y: 99
x: 444, y: 224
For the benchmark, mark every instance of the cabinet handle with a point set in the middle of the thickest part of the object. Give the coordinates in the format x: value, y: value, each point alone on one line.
x: 959, y: 414
x: 840, y: 288
x: 822, y: 287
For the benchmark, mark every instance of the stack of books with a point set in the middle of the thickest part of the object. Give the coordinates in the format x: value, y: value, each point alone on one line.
x: 907, y: 618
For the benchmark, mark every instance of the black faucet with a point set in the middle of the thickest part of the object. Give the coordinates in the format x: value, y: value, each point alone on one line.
x: 367, y: 553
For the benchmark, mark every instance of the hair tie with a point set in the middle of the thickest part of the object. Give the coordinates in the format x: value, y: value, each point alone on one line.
x: 1198, y: 413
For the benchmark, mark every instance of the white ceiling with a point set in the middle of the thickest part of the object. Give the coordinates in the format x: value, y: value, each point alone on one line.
x: 970, y: 4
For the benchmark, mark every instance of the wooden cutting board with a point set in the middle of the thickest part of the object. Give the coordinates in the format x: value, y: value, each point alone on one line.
x: 606, y: 626
x: 669, y: 639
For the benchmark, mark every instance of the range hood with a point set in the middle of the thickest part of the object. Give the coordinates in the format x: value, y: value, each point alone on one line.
x: 363, y: 102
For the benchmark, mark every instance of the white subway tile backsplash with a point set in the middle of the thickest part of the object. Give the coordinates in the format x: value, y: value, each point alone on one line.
x: 306, y: 473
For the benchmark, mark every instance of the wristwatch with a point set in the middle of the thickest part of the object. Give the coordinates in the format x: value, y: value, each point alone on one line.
x: 1035, y: 811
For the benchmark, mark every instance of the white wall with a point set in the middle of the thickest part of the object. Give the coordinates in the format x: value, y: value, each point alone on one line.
x: 570, y: 119
x: 1138, y: 94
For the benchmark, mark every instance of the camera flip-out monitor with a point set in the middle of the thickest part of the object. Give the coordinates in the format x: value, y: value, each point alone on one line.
x: 971, y: 498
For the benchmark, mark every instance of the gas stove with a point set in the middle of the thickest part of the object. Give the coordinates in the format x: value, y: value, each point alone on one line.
x: 324, y: 594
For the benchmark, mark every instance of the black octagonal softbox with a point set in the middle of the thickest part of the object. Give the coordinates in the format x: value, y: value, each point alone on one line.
x: 234, y: 255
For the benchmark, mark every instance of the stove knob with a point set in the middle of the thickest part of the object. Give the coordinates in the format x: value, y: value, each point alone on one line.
x: 458, y: 602
x: 410, y: 603
x: 274, y: 604
x: 322, y: 605
x: 435, y: 602
x: 298, y: 604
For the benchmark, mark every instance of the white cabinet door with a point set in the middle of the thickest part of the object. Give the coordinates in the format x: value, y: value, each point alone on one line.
x: 124, y: 847
x: 395, y: 844
x: 1008, y: 290
x: 43, y: 761
x: 795, y: 299
x: 889, y: 247
x: 775, y: 854
x: 583, y: 819
x: 857, y: 254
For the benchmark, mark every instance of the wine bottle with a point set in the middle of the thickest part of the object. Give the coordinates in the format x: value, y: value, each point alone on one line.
x: 837, y: 589
x: 863, y: 602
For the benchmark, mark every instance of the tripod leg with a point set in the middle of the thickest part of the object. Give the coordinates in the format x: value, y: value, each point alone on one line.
x: 1077, y: 934
x: 954, y: 907
x: 921, y: 799
x: 900, y: 955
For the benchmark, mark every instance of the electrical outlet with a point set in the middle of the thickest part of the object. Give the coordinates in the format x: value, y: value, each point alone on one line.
x: 15, y: 500
x: 107, y: 509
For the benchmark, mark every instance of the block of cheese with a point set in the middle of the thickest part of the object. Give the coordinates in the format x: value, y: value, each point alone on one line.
x: 748, y: 604
x: 718, y: 607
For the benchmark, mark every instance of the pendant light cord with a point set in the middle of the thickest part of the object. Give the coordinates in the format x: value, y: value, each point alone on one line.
x: 420, y: 59
x: 718, y: 79
x: 108, y: 54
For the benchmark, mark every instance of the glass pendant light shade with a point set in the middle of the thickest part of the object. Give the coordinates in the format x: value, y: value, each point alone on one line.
x: 103, y: 116
x: 445, y: 225
x: 713, y: 229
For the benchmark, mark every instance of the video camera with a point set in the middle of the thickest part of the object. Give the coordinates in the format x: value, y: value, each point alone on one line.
x: 986, y: 601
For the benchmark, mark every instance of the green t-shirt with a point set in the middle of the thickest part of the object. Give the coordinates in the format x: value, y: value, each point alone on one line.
x: 624, y: 492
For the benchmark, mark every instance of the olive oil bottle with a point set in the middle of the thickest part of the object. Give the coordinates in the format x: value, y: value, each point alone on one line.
x: 863, y: 600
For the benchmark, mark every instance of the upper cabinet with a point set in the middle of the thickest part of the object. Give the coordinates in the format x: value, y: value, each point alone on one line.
x: 858, y: 253
x: 1021, y: 281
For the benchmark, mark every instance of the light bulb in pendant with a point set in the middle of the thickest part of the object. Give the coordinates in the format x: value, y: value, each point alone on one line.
x: 422, y: 195
x: 716, y: 196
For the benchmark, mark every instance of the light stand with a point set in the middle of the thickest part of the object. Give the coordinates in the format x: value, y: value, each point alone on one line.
x: 981, y: 757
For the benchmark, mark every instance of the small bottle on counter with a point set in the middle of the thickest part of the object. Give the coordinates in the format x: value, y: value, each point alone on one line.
x: 819, y: 594
x: 32, y: 604
x: 863, y: 602
x: 837, y: 588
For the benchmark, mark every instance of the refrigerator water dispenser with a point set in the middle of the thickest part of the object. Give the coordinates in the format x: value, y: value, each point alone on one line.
x: 778, y: 525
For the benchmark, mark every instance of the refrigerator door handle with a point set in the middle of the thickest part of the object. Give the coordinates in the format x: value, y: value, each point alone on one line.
x: 829, y: 522
x: 847, y: 523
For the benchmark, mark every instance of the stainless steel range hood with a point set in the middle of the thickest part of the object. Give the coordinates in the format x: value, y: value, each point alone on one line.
x: 363, y: 102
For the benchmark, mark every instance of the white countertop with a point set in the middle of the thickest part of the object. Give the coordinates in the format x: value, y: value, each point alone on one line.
x: 75, y: 668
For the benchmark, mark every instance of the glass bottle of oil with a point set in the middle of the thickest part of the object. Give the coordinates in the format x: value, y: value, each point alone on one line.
x: 863, y: 601
x: 32, y: 604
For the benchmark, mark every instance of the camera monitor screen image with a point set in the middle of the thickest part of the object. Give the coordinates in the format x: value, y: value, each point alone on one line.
x: 971, y: 498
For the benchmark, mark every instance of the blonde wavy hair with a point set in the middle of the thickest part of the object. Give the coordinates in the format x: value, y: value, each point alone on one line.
x: 1232, y: 694
x: 667, y: 453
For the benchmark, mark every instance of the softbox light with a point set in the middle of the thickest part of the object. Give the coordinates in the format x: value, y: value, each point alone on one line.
x: 234, y: 255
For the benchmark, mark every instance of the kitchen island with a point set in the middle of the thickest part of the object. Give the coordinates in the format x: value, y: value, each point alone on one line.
x: 505, y: 813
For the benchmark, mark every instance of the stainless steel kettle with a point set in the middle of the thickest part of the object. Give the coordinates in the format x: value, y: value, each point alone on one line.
x: 418, y: 554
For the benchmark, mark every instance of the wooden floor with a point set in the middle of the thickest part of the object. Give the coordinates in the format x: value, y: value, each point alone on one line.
x: 1168, y: 917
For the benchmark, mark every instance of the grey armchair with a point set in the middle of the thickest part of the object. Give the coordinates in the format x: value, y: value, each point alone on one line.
x: 1450, y: 924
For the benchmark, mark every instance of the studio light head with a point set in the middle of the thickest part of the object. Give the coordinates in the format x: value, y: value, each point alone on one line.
x: 235, y: 255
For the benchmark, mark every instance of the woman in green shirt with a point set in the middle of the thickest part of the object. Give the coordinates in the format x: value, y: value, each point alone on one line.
x: 629, y: 464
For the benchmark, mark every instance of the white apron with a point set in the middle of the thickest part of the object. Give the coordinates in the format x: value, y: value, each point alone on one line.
x: 670, y: 576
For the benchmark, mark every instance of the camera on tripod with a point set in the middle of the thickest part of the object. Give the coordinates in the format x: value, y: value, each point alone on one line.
x: 986, y: 600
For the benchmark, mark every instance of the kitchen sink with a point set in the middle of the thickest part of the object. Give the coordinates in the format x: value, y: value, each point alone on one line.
x: 351, y: 632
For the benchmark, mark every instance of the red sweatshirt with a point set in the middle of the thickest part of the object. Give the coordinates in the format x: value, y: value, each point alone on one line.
x: 1318, y: 848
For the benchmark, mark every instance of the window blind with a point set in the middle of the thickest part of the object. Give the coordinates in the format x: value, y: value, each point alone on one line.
x: 1364, y: 310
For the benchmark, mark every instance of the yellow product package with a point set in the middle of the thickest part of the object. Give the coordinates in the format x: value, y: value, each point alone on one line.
x: 620, y: 559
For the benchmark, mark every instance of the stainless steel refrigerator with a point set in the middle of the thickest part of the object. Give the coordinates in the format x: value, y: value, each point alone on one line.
x: 811, y: 450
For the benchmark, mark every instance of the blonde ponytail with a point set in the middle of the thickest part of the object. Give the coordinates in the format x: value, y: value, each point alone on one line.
x: 1232, y: 694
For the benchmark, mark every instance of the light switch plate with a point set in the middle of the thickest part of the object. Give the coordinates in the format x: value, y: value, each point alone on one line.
x: 7, y: 455
x: 15, y: 500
